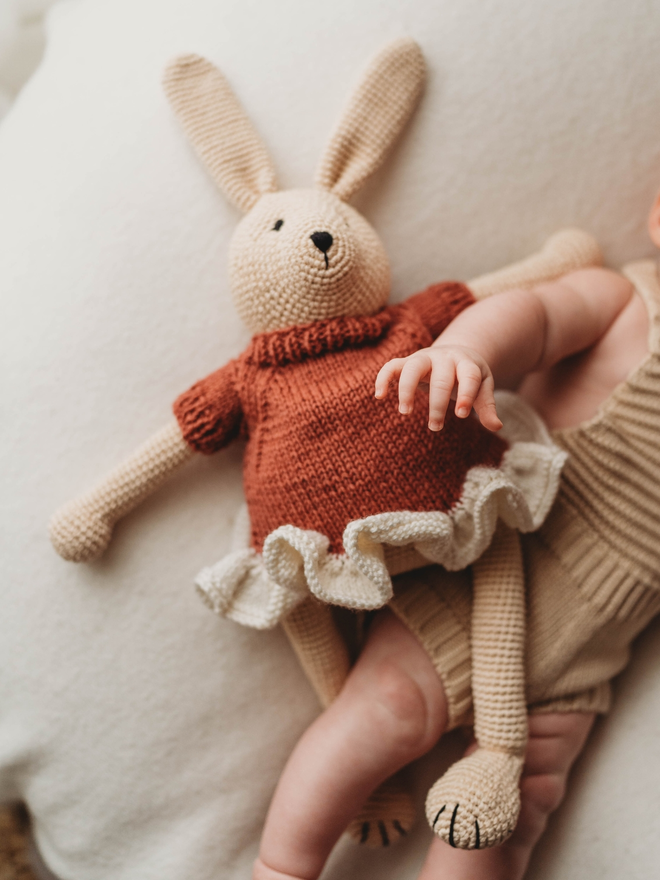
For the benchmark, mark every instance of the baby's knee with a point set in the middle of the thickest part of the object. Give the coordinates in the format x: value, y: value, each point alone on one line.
x: 405, y: 714
x: 541, y: 794
x: 544, y: 792
x: 555, y: 741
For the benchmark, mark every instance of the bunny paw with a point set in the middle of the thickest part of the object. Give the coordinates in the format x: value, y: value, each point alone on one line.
x: 78, y: 533
x: 476, y: 803
x: 386, y: 817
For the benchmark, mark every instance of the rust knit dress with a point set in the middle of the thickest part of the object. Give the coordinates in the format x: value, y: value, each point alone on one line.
x: 322, y: 451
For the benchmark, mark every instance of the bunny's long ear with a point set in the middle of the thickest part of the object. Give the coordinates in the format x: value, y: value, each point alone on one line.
x: 376, y: 114
x: 219, y: 129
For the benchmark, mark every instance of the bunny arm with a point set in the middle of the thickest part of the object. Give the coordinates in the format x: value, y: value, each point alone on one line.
x: 81, y: 530
x: 563, y: 252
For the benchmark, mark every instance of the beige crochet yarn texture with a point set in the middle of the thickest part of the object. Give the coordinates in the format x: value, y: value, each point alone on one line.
x: 211, y: 115
x: 375, y: 116
x: 81, y: 530
x: 280, y: 278
x: 476, y: 803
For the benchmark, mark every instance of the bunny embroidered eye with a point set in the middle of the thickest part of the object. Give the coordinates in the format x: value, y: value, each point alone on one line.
x: 278, y: 225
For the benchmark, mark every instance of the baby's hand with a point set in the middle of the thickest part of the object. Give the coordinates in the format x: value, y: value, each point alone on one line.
x: 444, y: 368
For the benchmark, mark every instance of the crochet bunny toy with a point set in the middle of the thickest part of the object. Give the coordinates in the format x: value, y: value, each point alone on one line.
x: 342, y: 491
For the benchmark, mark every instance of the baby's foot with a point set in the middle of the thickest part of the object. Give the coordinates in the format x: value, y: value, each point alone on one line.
x: 386, y: 817
x: 476, y: 803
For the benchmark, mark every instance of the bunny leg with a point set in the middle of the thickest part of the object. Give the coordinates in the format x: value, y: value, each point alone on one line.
x: 319, y: 647
x: 555, y: 741
x: 477, y: 802
x: 388, y: 813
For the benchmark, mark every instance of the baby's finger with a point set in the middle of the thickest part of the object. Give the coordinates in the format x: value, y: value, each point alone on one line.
x: 441, y: 385
x: 469, y: 378
x: 484, y: 405
x: 415, y: 368
x: 391, y: 370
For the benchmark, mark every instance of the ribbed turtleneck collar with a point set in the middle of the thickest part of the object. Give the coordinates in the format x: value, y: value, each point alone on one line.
x: 302, y: 341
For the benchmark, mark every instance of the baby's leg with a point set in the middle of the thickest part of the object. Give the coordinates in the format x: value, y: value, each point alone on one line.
x: 555, y: 741
x: 391, y: 711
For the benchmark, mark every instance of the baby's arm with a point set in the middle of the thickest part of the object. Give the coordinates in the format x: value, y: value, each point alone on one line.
x: 497, y: 341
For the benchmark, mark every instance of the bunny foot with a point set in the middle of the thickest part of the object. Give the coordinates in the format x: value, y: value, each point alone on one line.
x: 477, y: 802
x: 386, y: 817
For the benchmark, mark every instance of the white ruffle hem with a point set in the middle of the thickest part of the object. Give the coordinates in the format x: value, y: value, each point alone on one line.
x: 260, y: 590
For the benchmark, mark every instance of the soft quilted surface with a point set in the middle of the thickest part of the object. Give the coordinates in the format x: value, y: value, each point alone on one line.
x: 144, y: 733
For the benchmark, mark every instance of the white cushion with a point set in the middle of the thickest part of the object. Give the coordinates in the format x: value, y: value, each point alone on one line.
x: 144, y: 733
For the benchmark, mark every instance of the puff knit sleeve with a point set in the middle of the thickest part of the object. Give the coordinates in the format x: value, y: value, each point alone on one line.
x: 209, y: 413
x: 438, y: 305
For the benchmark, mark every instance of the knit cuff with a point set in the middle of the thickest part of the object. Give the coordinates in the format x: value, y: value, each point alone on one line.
x: 596, y: 699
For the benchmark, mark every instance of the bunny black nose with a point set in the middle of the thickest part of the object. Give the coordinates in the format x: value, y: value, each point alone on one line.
x: 322, y: 240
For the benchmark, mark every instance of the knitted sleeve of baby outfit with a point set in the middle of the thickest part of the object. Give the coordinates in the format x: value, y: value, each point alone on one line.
x: 439, y: 304
x: 210, y: 414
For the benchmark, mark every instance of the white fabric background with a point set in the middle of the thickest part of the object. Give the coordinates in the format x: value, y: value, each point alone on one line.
x: 21, y: 44
x: 144, y: 733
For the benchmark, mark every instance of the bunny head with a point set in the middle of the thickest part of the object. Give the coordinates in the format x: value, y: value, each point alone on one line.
x: 300, y: 255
